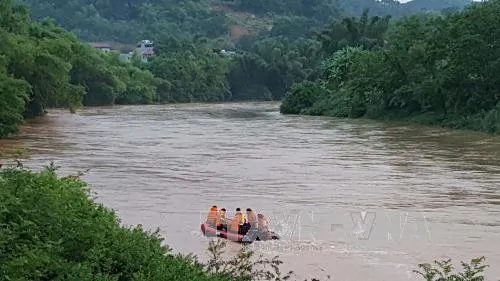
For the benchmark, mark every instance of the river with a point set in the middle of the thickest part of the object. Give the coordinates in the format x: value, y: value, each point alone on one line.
x: 424, y: 193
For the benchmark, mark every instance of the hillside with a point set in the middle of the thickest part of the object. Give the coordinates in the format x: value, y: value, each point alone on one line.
x: 397, y: 9
x: 133, y: 20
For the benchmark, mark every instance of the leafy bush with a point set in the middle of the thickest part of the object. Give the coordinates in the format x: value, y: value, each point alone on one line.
x: 303, y: 96
x: 443, y: 271
x: 51, y: 230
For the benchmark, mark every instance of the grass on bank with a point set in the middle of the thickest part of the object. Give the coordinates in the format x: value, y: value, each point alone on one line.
x: 51, y: 229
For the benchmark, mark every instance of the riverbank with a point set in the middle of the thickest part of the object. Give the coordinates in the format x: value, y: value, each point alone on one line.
x: 474, y: 124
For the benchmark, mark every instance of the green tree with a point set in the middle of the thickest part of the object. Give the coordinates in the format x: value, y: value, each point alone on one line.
x: 14, y: 95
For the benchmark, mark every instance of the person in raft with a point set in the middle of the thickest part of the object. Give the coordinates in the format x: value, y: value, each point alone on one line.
x: 259, y: 229
x: 251, y: 221
x: 223, y: 219
x: 214, y: 218
x: 262, y: 224
x: 238, y: 222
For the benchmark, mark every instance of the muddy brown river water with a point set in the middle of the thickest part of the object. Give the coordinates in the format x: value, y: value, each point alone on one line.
x: 353, y: 199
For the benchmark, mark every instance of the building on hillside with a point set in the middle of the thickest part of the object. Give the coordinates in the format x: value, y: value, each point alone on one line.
x: 145, y: 49
x: 126, y: 57
x: 106, y: 48
x: 228, y: 52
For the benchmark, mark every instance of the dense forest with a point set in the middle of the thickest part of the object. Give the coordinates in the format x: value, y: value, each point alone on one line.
x: 134, y: 20
x: 432, y: 69
x: 277, y: 47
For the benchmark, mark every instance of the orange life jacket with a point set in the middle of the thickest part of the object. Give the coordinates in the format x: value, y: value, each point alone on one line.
x: 213, y: 217
x: 235, y: 223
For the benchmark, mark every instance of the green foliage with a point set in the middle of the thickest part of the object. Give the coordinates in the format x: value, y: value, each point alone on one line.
x: 437, y: 70
x: 443, y: 271
x: 321, y: 10
x: 302, y: 97
x: 243, y: 266
x: 363, y: 32
x: 131, y: 21
x: 14, y: 94
x: 43, y: 66
x: 137, y: 86
x: 399, y: 10
x: 191, y: 72
x: 270, y: 66
x: 52, y: 230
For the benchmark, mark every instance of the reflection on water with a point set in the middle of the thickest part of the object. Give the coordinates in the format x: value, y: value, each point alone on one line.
x: 427, y: 193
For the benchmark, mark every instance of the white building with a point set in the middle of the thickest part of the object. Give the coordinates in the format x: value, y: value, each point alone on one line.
x: 126, y: 57
x: 145, y: 49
